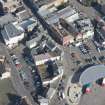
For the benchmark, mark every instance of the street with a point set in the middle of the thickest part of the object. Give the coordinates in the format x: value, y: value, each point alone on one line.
x: 15, y: 78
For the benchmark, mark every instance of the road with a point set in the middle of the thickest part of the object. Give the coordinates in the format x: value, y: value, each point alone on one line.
x: 16, y: 80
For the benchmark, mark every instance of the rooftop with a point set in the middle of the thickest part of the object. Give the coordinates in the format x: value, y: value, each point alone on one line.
x: 22, y: 14
x: 28, y: 22
x: 61, y: 30
x: 84, y: 24
x: 64, y: 13
x: 10, y: 31
x: 70, y: 27
x: 45, y: 56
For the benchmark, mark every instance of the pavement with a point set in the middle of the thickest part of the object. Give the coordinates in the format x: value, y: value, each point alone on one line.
x: 96, y: 97
x: 15, y: 78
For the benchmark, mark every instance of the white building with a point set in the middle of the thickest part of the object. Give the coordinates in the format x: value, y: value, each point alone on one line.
x: 12, y: 34
x: 43, y: 58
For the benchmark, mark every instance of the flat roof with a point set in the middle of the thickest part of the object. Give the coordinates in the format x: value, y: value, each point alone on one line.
x: 54, y: 17
x: 92, y: 74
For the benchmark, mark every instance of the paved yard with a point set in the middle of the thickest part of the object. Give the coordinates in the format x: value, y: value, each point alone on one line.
x: 6, y: 89
x: 96, y: 97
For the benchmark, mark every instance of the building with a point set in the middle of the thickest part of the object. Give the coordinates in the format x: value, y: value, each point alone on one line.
x: 28, y: 24
x: 12, y: 35
x: 22, y: 14
x: 100, y: 31
x: 43, y: 58
x: 61, y: 35
x: 67, y: 13
x: 51, y: 45
x: 85, y: 27
x: 33, y: 42
x: 65, y: 32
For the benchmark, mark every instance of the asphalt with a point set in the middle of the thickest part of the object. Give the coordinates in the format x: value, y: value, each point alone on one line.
x: 15, y: 78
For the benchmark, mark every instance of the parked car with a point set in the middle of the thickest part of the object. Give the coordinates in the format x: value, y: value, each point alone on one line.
x: 94, y: 58
x: 83, y: 49
x: 15, y: 60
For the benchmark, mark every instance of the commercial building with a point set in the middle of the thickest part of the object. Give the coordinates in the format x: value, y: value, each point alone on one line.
x: 43, y: 58
x: 12, y: 34
x: 33, y: 42
x: 65, y: 32
x: 67, y: 13
x: 22, y: 14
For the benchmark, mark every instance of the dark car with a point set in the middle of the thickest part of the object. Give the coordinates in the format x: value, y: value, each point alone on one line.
x: 83, y: 49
